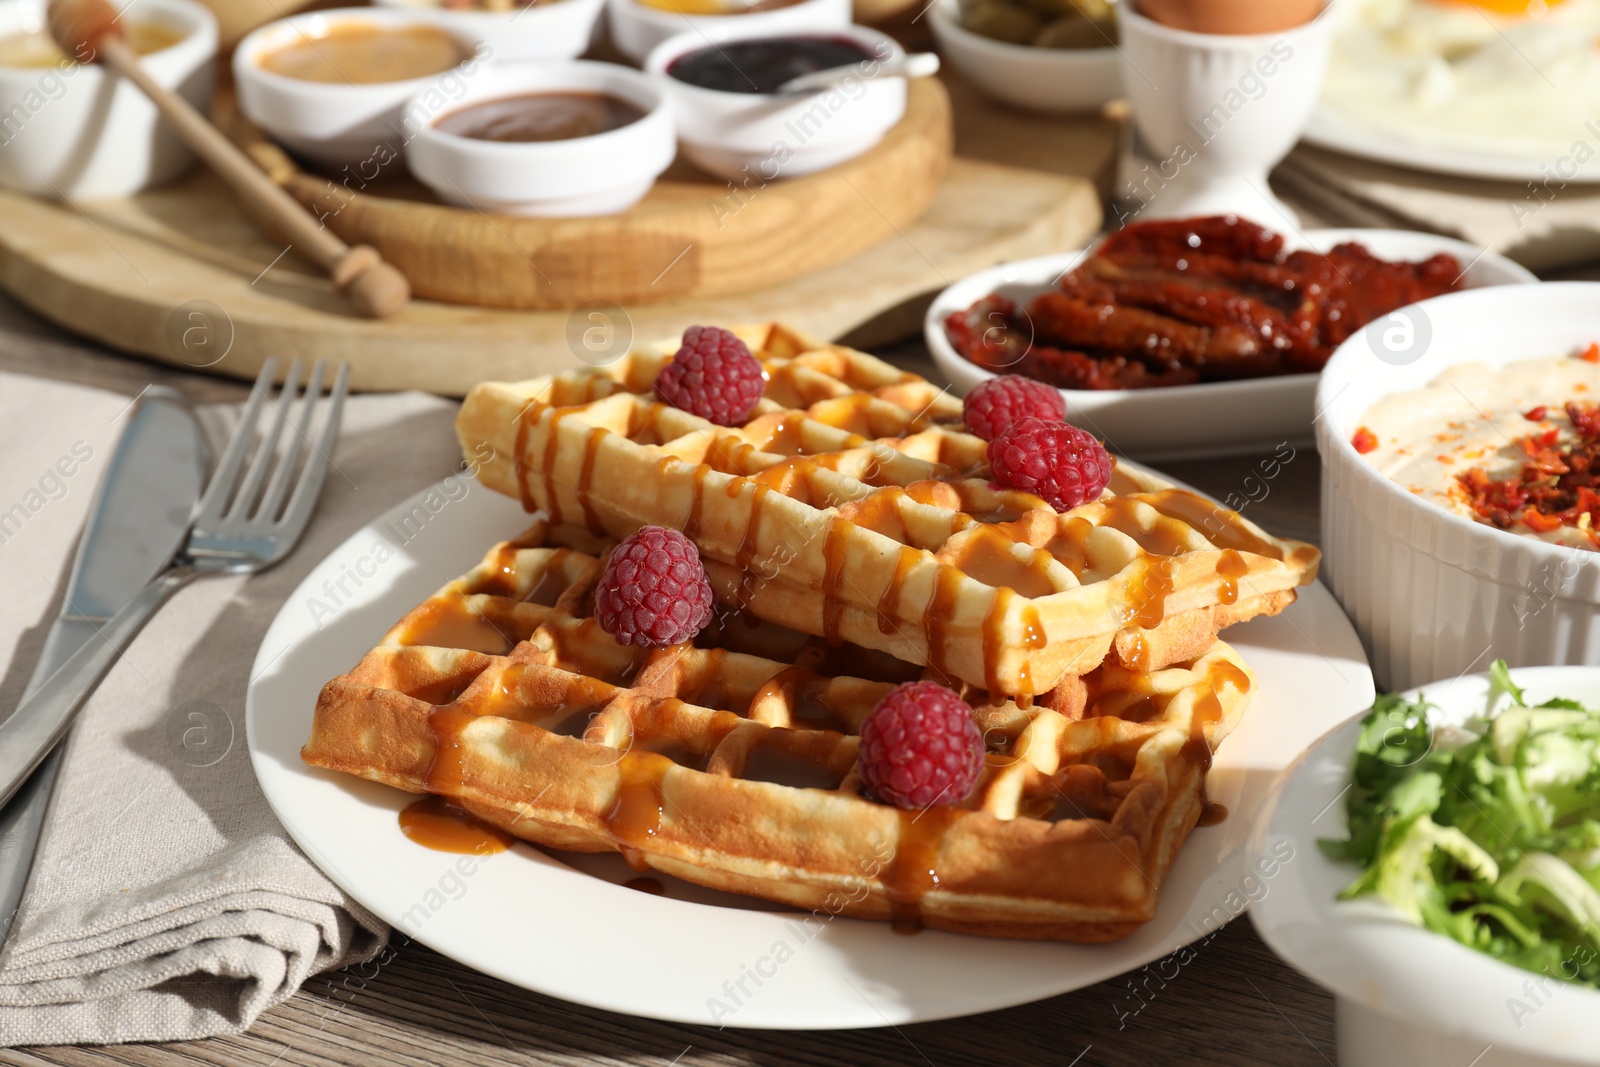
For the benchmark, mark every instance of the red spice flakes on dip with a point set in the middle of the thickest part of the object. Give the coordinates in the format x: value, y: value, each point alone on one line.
x: 1527, y: 458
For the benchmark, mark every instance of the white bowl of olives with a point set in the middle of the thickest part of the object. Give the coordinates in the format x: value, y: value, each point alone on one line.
x: 1044, y: 55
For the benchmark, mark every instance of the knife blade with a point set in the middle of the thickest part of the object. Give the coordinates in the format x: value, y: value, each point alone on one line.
x: 137, y: 521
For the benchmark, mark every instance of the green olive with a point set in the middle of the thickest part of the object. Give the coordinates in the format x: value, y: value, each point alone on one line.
x: 1002, y: 21
x: 1073, y: 32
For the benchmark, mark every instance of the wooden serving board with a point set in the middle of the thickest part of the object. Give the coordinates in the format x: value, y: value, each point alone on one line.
x: 691, y: 236
x: 180, y: 275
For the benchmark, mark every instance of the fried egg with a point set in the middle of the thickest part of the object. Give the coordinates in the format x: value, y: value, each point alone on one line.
x: 1519, y: 76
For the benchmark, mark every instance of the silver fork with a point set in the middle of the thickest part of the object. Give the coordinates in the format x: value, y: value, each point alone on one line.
x: 237, y: 528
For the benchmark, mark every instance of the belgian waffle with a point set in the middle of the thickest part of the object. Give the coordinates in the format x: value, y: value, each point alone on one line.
x: 732, y: 762
x: 853, y: 507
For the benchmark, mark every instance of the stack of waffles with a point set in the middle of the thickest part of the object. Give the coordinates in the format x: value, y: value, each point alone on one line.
x: 854, y: 541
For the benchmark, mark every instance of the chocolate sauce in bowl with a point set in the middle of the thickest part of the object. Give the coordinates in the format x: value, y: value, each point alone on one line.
x: 555, y: 116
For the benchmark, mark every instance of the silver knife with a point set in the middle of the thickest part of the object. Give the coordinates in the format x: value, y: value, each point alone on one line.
x: 137, y: 520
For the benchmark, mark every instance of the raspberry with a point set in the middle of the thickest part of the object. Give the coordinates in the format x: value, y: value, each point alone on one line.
x: 997, y: 403
x: 713, y: 376
x: 1059, y: 462
x: 654, y: 591
x: 920, y: 747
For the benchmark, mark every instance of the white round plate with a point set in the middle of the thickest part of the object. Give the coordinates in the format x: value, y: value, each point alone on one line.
x: 1192, y: 421
x: 533, y: 920
x: 1342, y: 132
x: 1447, y: 999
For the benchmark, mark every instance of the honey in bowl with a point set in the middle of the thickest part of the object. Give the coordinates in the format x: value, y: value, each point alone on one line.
x: 560, y: 116
x: 363, y: 53
x: 36, y: 48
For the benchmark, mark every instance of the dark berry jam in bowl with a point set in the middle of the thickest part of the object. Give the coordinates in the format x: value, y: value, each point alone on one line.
x: 733, y: 124
x: 764, y: 64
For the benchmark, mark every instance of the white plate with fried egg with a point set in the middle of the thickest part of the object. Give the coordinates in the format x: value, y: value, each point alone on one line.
x: 1505, y: 89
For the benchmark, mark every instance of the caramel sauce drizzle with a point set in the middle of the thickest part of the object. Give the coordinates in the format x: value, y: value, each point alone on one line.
x: 434, y: 822
x: 1230, y: 568
x: 525, y: 420
x: 889, y: 602
x: 913, y: 872
x: 994, y: 641
x: 832, y: 578
x: 691, y: 525
x: 747, y: 545
x: 591, y: 445
x: 1155, y: 585
x: 936, y: 616
x: 548, y: 468
x: 635, y: 817
x: 1208, y: 709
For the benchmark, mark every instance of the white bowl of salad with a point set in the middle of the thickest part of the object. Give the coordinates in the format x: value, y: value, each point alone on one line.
x: 1446, y: 879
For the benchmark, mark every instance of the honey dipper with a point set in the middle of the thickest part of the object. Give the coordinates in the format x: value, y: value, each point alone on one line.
x: 373, y: 287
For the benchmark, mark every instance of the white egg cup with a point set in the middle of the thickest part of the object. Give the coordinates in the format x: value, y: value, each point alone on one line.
x: 1216, y: 112
x: 78, y: 131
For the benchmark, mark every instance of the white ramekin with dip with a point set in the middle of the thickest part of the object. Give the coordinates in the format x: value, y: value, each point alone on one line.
x: 331, y: 85
x: 1441, y: 569
x: 549, y: 139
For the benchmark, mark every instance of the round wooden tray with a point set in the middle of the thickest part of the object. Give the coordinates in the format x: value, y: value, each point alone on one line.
x: 691, y: 236
x: 179, y: 274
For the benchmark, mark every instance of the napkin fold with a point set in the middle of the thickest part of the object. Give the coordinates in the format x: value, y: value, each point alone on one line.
x: 166, y: 902
x: 1546, y: 225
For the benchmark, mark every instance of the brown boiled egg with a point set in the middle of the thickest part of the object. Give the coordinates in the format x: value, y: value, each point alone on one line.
x: 1231, y: 16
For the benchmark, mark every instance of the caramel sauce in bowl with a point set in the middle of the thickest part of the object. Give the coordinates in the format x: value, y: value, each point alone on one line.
x: 363, y: 53
x: 333, y: 86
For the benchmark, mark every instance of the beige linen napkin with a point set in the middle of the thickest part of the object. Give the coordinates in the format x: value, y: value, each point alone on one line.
x: 1545, y: 226
x: 166, y: 901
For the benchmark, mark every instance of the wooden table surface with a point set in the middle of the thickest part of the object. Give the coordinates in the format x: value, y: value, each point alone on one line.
x: 1234, y: 1002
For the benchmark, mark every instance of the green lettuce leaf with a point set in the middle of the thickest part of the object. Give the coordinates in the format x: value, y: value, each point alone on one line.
x: 1492, y: 839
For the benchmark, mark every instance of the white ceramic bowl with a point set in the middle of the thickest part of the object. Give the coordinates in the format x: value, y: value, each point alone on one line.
x: 68, y: 131
x: 1040, y: 79
x: 560, y: 30
x: 744, y: 135
x: 637, y: 28
x: 598, y: 175
x: 1408, y: 997
x: 1189, y: 421
x: 1433, y: 593
x: 1219, y: 110
x: 363, y: 126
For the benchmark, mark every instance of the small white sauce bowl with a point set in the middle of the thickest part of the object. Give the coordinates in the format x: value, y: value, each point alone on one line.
x: 1433, y: 593
x: 342, y: 124
x: 75, y: 131
x: 1039, y: 79
x: 637, y: 28
x: 1406, y: 996
x: 1209, y: 418
x: 766, y: 136
x: 597, y: 175
x: 560, y: 30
